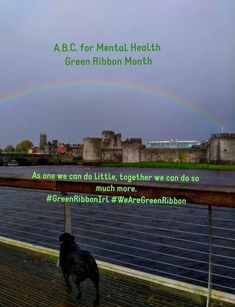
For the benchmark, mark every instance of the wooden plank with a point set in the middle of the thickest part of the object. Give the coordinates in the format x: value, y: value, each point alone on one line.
x: 32, y: 279
x: 26, y: 183
x: 223, y: 196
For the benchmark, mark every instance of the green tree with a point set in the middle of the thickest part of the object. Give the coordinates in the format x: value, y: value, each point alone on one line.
x: 9, y: 148
x: 24, y: 146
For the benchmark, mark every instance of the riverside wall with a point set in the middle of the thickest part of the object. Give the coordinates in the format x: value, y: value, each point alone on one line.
x: 195, y: 155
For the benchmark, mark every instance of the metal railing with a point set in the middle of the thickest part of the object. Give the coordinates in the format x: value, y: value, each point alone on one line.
x: 193, y: 243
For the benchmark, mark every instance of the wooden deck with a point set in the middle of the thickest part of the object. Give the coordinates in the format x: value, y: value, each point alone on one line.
x: 31, y: 279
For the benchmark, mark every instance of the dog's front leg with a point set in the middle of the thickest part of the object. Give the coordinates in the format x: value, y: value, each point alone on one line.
x: 68, y: 285
x: 95, y: 279
x: 77, y: 282
x: 97, y: 300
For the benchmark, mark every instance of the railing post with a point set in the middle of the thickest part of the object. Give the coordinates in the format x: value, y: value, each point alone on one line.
x: 67, y: 217
x: 208, y: 301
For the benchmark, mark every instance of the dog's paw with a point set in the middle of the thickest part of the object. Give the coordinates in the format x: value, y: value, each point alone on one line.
x: 96, y: 302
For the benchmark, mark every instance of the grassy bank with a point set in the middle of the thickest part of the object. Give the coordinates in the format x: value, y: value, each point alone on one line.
x: 178, y: 165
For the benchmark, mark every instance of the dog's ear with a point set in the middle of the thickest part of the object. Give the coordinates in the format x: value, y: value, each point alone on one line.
x: 61, y: 237
x: 67, y: 237
x: 64, y: 237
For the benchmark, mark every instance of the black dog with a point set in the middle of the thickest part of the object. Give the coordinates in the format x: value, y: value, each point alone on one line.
x: 78, y: 263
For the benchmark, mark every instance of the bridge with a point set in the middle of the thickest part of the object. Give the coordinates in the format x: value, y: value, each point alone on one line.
x: 148, y: 256
x: 33, y: 159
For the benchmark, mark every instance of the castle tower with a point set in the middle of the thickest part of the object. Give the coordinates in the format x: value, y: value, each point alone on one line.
x: 108, y: 139
x: 92, y: 152
x: 221, y: 148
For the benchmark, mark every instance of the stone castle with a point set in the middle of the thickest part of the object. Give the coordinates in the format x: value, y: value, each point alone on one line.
x: 219, y: 149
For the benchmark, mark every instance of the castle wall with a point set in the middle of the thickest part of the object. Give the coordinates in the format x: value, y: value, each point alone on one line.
x: 112, y: 155
x: 173, y: 154
x: 219, y: 149
x: 92, y: 152
x: 131, y: 153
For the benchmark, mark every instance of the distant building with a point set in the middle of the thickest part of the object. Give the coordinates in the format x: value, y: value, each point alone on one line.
x: 172, y: 144
x: 75, y: 150
x: 54, y: 142
x: 51, y: 147
x: 36, y: 150
x: 43, y: 141
x: 55, y: 148
x: 72, y: 150
x: 61, y: 149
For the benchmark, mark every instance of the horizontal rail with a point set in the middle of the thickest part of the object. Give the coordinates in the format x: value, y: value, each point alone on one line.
x: 223, y: 196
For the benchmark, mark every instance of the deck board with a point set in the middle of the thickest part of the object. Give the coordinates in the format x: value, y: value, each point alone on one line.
x: 32, y: 279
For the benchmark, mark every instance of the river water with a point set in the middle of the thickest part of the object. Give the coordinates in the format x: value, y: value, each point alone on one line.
x: 164, y: 240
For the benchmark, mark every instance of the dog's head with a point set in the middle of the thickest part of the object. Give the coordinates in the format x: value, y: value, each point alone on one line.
x: 66, y: 237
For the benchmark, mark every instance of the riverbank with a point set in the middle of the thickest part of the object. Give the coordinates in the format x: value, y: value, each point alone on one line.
x: 174, y: 165
x: 145, y: 164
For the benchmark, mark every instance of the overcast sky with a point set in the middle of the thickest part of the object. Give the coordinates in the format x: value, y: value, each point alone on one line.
x: 187, y: 93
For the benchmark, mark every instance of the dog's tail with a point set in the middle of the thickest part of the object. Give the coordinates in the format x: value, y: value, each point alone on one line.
x: 90, y: 263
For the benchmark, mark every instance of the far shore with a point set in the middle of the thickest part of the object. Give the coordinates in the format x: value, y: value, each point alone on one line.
x: 176, y: 165
x: 143, y: 164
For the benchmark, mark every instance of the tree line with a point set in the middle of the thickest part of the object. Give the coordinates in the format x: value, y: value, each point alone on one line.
x: 22, y: 147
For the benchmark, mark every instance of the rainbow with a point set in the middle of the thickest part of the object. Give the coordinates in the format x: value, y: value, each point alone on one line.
x: 109, y: 83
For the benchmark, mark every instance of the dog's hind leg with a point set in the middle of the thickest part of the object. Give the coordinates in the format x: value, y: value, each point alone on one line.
x: 93, y: 274
x: 95, y: 280
x: 77, y: 282
x: 68, y: 285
